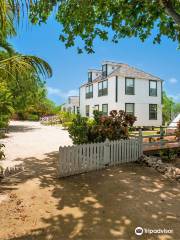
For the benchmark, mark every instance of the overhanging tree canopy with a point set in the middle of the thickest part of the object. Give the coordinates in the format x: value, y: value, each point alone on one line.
x: 89, y: 19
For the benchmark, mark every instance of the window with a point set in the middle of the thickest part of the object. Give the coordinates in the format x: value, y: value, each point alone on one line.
x: 78, y: 110
x: 89, y: 91
x: 87, y: 110
x: 152, y: 88
x: 129, y: 108
x: 105, y: 109
x: 152, y: 111
x: 96, y: 107
x: 104, y: 70
x: 116, y: 90
x: 103, y: 88
x: 129, y: 86
x: 89, y: 76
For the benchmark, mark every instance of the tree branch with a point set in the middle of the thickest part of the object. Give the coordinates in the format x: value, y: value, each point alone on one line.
x: 170, y: 10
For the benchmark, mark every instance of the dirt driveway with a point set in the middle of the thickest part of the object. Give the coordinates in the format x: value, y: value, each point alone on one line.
x: 107, y: 204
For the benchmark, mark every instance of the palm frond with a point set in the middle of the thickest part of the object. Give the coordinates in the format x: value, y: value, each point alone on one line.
x: 10, y: 13
x: 22, y: 63
x: 6, y: 46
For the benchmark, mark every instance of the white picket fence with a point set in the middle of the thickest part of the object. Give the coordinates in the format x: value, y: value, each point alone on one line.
x: 87, y: 157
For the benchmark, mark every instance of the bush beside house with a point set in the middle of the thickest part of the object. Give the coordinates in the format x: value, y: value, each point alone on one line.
x: 114, y: 127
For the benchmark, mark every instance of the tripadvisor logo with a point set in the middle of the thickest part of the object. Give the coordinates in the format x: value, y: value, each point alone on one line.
x: 139, y: 231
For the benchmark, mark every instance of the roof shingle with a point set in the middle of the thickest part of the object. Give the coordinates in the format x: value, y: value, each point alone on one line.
x: 124, y: 70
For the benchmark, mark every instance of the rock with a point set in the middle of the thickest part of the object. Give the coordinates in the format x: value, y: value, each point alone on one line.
x: 161, y: 168
x: 159, y: 161
x: 178, y: 177
x: 177, y: 170
x: 167, y: 169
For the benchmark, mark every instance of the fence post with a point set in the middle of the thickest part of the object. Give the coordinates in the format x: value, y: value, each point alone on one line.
x: 141, y: 141
x: 106, y: 152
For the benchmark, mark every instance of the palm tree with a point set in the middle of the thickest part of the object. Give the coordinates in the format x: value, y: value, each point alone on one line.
x: 12, y: 63
x: 10, y: 12
x: 18, y: 63
x: 21, y: 74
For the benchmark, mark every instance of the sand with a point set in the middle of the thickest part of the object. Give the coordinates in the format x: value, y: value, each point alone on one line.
x: 107, y: 204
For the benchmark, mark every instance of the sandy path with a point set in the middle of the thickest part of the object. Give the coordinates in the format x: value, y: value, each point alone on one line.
x: 108, y: 204
x: 31, y: 139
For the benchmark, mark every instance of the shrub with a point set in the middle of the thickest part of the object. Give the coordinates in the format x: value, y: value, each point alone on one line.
x: 66, y: 116
x: 33, y: 117
x: 168, y: 154
x: 79, y: 130
x: 4, y: 121
x: 6, y: 105
x: 113, y: 127
x: 67, y: 124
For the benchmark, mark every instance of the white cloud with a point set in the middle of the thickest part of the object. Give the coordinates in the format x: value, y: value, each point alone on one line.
x: 60, y: 93
x: 173, y: 80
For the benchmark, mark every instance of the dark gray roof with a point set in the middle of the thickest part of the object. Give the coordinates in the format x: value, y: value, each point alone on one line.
x: 125, y: 70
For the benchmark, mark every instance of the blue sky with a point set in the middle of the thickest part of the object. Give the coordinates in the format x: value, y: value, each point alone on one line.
x: 70, y: 68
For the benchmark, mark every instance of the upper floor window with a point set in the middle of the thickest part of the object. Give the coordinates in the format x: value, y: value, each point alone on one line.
x: 87, y: 110
x: 129, y: 86
x: 129, y: 108
x: 104, y: 70
x: 152, y: 88
x: 105, y: 109
x: 103, y: 88
x: 89, y: 91
x: 89, y: 76
x: 152, y: 111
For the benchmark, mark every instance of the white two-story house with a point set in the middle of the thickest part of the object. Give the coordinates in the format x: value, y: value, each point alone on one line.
x: 119, y: 86
x: 72, y: 105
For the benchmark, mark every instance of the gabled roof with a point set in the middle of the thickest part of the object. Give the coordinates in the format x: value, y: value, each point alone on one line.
x: 125, y: 70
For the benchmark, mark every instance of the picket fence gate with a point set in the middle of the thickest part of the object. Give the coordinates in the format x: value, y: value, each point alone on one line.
x: 87, y: 157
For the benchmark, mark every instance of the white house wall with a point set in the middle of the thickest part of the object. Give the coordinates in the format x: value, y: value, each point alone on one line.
x: 141, y: 99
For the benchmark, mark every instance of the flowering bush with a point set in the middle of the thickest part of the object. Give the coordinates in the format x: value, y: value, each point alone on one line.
x: 113, y: 127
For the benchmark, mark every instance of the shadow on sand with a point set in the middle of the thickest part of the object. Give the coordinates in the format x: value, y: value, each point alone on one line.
x: 21, y: 128
x: 107, y: 204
